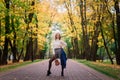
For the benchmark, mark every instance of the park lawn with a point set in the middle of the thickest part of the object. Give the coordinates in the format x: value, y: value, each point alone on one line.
x: 16, y: 65
x: 105, y: 68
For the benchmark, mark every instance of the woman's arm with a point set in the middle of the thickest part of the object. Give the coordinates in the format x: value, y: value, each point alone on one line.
x: 64, y: 44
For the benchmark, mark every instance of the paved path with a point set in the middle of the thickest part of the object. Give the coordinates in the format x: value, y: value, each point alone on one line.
x: 37, y: 71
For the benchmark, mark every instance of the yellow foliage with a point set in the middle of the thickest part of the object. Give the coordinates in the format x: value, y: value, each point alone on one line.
x: 100, y: 44
x: 47, y: 13
x: 99, y: 37
x: 113, y: 40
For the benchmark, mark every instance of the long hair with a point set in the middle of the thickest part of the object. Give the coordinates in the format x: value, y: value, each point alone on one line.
x: 56, y: 36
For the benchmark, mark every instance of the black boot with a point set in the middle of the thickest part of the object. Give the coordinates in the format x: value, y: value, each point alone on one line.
x: 62, y: 73
x: 48, y: 73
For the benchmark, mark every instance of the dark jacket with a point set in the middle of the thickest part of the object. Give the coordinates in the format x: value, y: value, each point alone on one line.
x: 63, y: 58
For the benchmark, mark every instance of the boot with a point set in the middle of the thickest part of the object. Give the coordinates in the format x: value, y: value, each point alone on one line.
x: 48, y: 73
x: 62, y: 73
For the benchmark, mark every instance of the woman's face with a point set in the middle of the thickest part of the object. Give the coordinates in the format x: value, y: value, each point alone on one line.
x: 57, y: 36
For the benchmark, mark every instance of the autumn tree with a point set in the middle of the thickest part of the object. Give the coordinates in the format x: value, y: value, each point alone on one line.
x: 7, y: 31
x: 117, y: 8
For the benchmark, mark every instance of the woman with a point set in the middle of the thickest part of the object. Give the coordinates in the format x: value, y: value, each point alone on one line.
x: 58, y: 46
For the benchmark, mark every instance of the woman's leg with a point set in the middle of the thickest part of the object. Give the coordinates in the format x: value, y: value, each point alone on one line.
x: 62, y: 72
x: 50, y: 64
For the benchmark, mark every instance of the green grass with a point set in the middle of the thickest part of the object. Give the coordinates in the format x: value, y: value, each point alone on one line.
x: 16, y: 65
x: 107, y: 70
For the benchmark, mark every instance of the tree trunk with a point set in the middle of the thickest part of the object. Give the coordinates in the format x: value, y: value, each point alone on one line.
x: 94, y: 46
x: 76, y: 47
x: 14, y: 51
x: 86, y: 46
x: 29, y: 45
x: 35, y: 43
x: 69, y: 52
x: 35, y: 47
x: 14, y: 46
x: 29, y: 50
x: 0, y: 55
x: 23, y: 42
x: 82, y: 23
x: 107, y: 51
x: 27, y: 55
x: 118, y: 30
x: 0, y: 43
x: 7, y: 31
x: 73, y: 52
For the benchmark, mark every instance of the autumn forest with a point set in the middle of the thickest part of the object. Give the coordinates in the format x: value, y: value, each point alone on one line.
x: 91, y: 29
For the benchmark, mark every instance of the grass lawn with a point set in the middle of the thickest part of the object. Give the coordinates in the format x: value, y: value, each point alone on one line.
x: 16, y: 65
x: 105, y: 68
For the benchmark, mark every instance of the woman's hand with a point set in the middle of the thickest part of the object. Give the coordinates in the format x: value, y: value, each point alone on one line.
x: 60, y: 46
